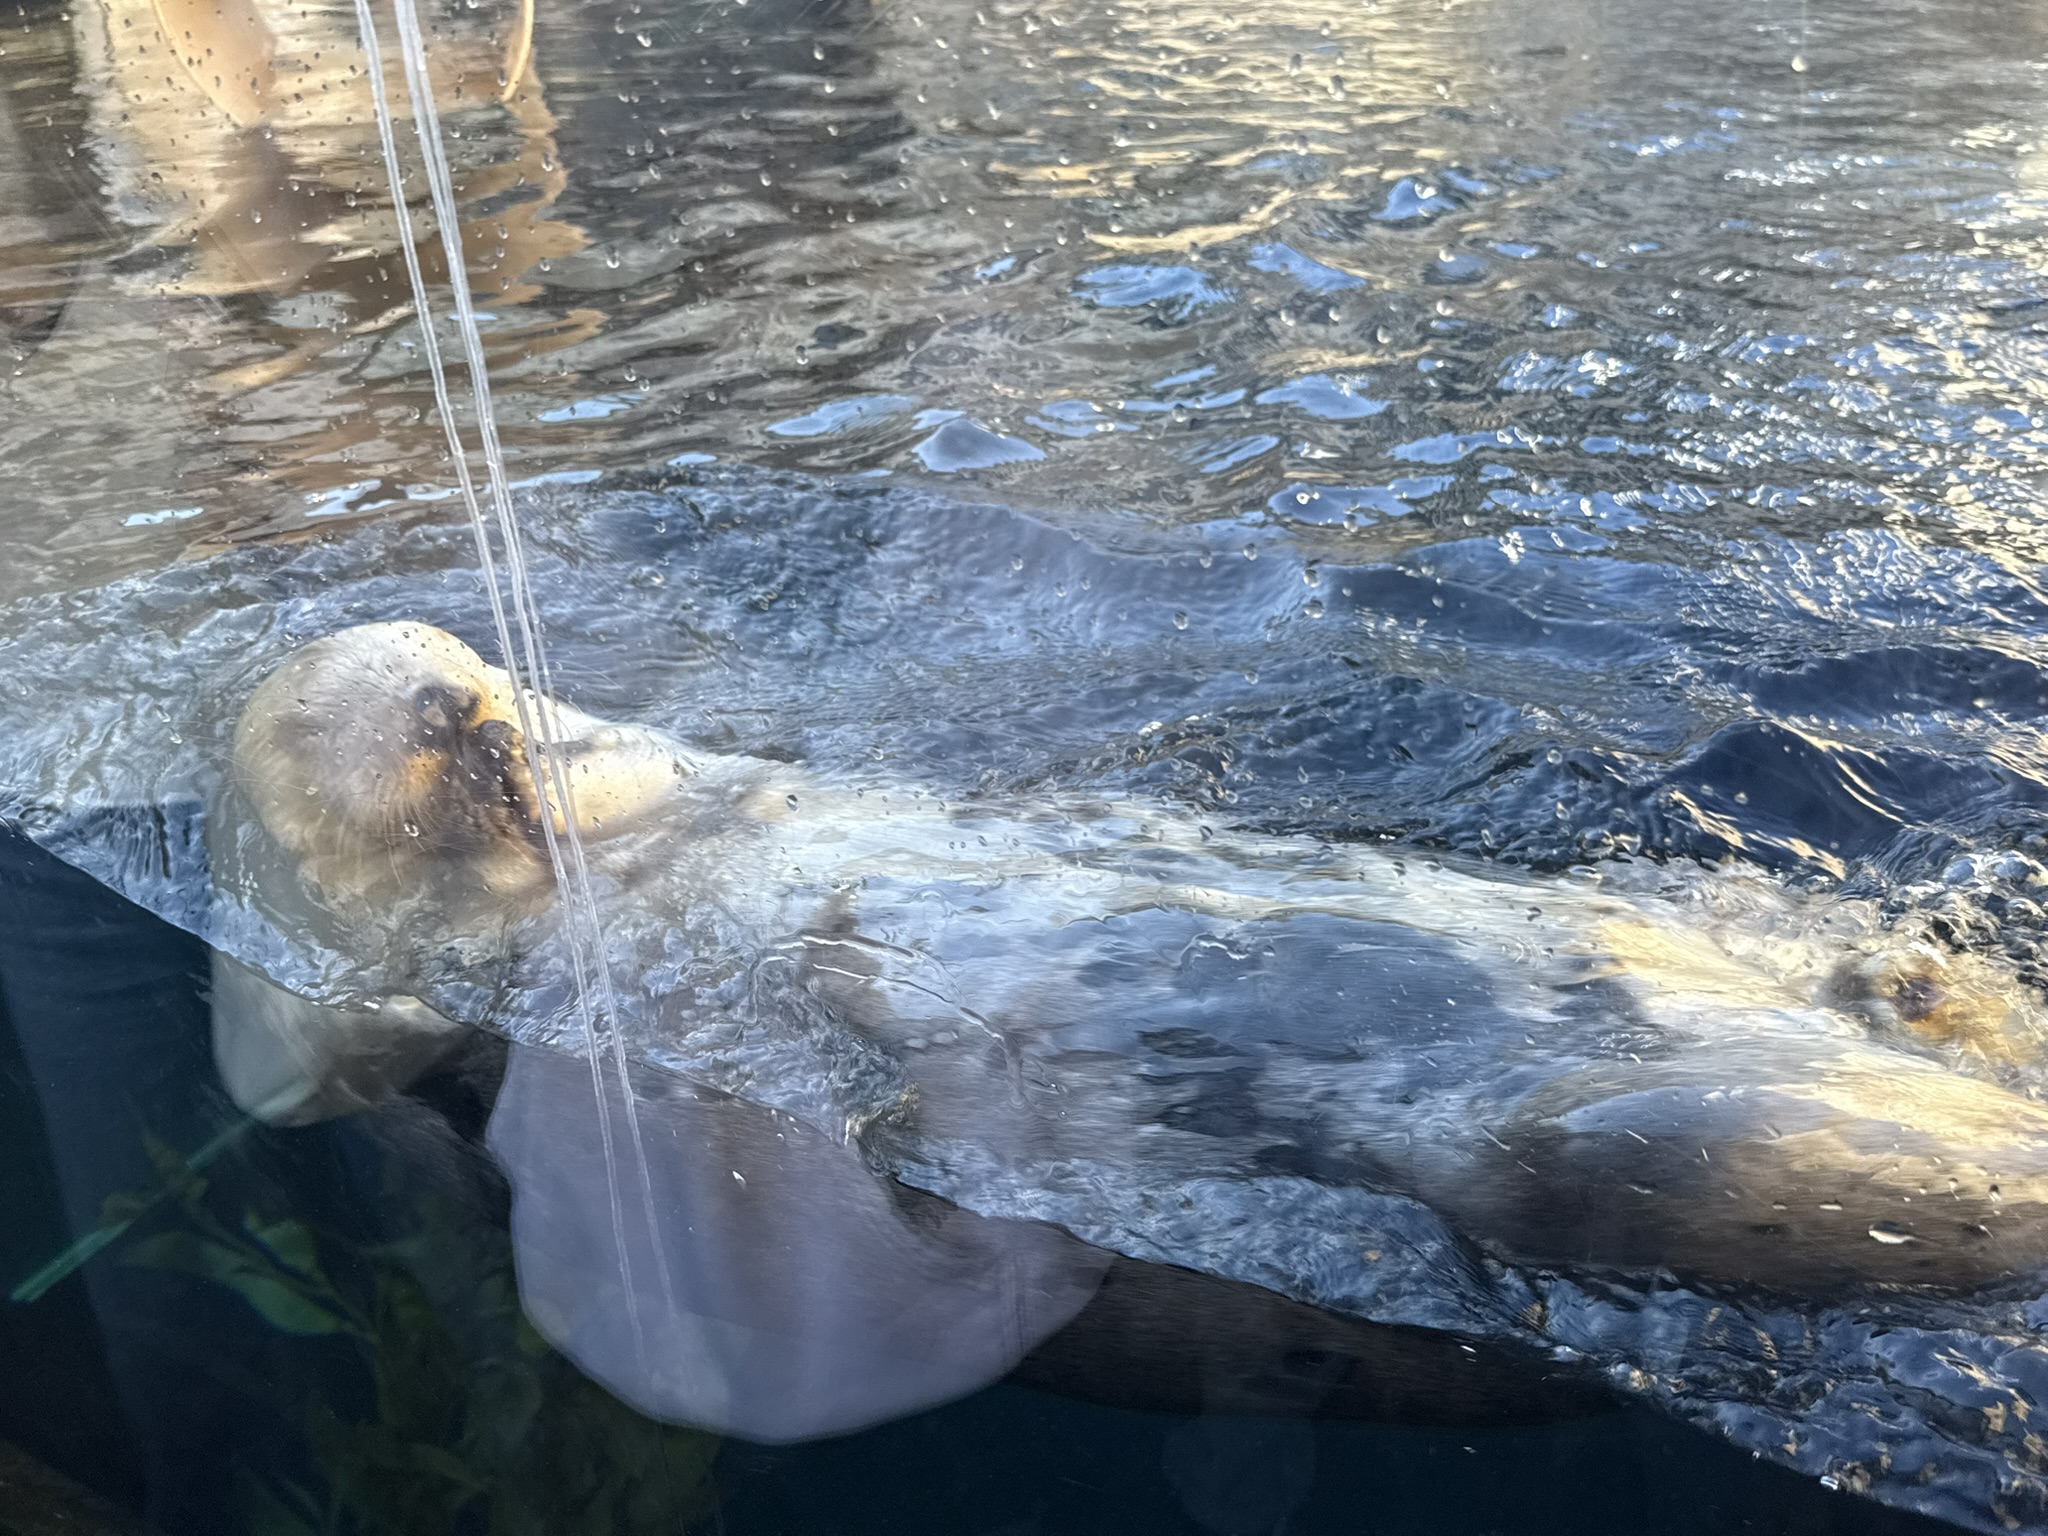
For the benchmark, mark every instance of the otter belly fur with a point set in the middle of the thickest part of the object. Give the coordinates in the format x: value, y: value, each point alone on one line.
x: 1707, y: 1075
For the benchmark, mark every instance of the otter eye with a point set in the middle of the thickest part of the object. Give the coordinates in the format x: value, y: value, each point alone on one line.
x: 439, y: 712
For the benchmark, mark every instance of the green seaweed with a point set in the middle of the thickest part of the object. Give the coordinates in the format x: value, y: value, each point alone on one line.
x: 120, y: 1212
x: 450, y: 1415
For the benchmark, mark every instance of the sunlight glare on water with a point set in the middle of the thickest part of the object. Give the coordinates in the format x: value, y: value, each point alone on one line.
x: 1622, y: 277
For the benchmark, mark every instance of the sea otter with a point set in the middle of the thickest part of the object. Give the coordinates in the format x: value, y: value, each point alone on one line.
x: 1101, y: 1007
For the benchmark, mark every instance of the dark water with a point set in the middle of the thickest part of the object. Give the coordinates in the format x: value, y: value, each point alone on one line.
x: 1538, y: 433
x: 170, y: 1393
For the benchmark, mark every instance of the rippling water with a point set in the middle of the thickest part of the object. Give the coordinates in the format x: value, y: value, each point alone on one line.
x: 1548, y: 433
x: 1594, y: 277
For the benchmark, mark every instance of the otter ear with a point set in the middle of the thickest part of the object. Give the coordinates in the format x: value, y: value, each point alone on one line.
x: 786, y: 1292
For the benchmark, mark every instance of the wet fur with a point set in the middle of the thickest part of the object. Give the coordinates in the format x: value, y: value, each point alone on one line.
x: 1868, y: 1133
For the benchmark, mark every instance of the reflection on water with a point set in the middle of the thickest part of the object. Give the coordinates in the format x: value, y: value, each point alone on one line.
x: 242, y: 151
x: 241, y: 242
x: 1371, y: 270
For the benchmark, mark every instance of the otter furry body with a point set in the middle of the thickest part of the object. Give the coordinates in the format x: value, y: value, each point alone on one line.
x: 1722, y: 1079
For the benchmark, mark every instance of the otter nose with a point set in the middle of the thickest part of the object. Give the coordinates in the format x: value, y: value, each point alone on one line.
x: 498, y: 738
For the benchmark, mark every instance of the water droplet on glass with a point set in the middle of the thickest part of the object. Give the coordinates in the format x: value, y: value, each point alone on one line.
x: 1798, y: 63
x: 1180, y: 620
x: 1313, y: 608
x: 412, y: 829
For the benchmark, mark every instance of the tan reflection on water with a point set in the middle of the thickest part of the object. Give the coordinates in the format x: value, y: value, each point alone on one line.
x: 244, y: 133
x: 240, y: 191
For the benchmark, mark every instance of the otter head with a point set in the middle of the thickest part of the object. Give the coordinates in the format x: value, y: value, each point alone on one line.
x: 388, y: 755
x: 1957, y: 1003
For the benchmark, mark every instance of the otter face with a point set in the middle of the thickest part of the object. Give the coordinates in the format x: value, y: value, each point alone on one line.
x: 387, y: 755
x: 1950, y: 1001
x: 383, y: 754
